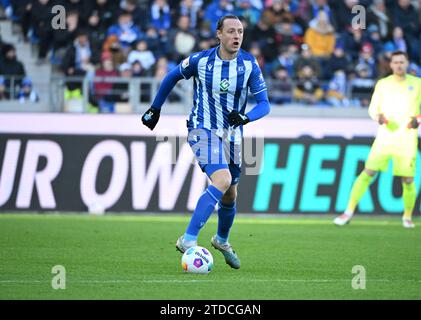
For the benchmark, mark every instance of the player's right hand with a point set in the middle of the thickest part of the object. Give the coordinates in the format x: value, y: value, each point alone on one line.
x: 236, y: 119
x: 415, y: 122
x: 150, y: 117
x: 382, y: 119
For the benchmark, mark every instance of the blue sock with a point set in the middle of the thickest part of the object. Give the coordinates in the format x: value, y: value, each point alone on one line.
x: 226, y: 214
x: 201, y: 214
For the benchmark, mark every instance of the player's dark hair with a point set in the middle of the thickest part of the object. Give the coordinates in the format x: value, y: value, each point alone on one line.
x: 399, y: 53
x: 221, y: 20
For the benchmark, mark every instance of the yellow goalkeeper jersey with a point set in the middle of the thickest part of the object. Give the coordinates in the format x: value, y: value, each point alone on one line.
x: 398, y: 101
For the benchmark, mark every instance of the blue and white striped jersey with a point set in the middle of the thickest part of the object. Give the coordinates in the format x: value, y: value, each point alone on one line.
x: 220, y: 86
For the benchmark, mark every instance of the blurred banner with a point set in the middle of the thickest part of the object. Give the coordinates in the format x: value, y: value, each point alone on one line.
x: 57, y: 162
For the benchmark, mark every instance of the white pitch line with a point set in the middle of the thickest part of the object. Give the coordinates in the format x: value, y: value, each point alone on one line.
x: 207, y: 280
x: 256, y: 219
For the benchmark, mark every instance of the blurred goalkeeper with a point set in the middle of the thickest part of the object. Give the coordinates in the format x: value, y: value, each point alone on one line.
x: 395, y: 105
x: 222, y: 78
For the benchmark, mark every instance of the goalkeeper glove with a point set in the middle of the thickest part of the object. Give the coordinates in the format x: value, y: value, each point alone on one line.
x: 382, y: 119
x: 415, y: 122
x: 150, y: 117
x: 237, y: 119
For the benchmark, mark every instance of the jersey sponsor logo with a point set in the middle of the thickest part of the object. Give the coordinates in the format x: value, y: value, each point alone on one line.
x: 224, y: 84
x: 185, y: 63
x: 210, y: 67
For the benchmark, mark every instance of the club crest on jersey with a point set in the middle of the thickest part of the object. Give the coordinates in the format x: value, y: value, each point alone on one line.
x: 224, y: 84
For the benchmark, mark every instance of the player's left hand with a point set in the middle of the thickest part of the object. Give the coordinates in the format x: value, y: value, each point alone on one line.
x: 415, y: 122
x: 237, y: 119
x: 151, y: 117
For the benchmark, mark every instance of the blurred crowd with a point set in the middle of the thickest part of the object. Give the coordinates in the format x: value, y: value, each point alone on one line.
x: 313, y: 52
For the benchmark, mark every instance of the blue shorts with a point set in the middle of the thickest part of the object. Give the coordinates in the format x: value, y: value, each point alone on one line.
x: 214, y: 153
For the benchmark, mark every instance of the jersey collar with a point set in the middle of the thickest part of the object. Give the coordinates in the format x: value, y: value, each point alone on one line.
x: 219, y: 58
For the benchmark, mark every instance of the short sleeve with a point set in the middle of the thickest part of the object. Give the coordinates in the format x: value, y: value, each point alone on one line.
x: 257, y: 83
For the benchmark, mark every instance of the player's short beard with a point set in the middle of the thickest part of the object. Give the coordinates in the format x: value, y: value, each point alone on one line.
x: 229, y: 50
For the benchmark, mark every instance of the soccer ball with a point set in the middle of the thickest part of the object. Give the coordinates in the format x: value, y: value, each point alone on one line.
x: 197, y: 260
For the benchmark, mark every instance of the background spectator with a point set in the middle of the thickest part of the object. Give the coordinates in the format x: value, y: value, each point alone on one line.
x: 248, y: 10
x: 308, y: 90
x: 366, y: 57
x: 352, y: 39
x: 215, y: 10
x: 27, y: 92
x: 80, y: 59
x: 143, y: 55
x: 98, y: 16
x: 338, y: 61
x: 62, y: 38
x: 41, y: 17
x: 139, y: 15
x: 320, y: 36
x: 160, y: 17
x: 181, y: 40
x: 377, y: 15
x: 337, y: 92
x: 362, y: 86
x: 307, y: 59
x: 398, y: 41
x: 113, y: 46
x: 286, y: 59
x: 4, y: 94
x: 264, y: 35
x: 103, y: 89
x: 10, y: 67
x: 281, y: 92
x: 193, y: 10
x: 125, y: 30
x: 342, y: 12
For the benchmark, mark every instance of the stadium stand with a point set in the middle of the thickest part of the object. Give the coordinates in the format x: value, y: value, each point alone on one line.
x: 115, y: 52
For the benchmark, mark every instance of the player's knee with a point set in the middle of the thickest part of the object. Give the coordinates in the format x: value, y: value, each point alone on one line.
x: 371, y: 173
x: 223, y: 182
x: 230, y: 196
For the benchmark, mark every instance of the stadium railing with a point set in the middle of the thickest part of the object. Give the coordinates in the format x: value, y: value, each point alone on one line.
x: 134, y: 95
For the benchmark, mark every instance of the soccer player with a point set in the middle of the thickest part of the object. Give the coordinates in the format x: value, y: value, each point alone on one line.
x: 222, y: 78
x: 395, y: 105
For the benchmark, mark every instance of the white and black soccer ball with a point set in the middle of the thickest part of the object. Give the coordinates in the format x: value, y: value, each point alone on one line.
x: 197, y: 260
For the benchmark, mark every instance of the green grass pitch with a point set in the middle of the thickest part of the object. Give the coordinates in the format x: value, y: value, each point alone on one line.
x: 134, y: 257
